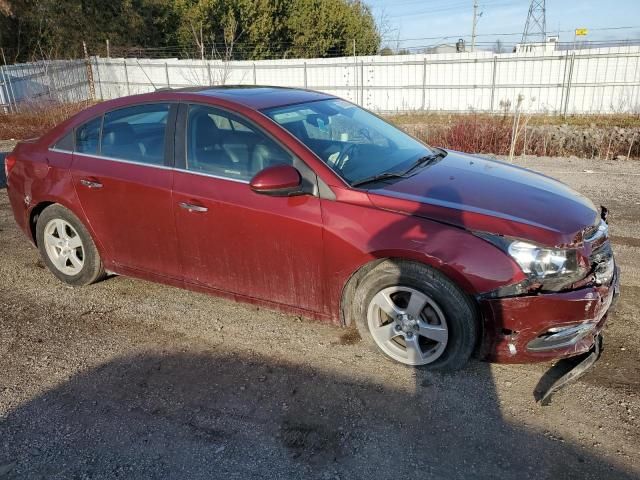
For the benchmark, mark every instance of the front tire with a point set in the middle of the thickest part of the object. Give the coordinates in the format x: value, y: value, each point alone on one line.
x: 415, y: 316
x: 66, y: 247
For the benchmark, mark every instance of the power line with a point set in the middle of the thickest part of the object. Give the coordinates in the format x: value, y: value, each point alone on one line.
x: 503, y: 34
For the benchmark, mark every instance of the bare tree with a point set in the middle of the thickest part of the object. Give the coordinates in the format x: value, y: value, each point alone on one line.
x: 230, y: 35
x: 386, y: 30
x: 217, y: 68
x: 198, y: 37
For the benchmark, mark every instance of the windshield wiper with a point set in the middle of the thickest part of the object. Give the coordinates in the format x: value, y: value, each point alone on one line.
x: 425, y: 160
x: 379, y: 176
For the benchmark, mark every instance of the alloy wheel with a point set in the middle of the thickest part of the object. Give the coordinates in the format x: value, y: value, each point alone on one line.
x: 64, y: 246
x: 407, y: 325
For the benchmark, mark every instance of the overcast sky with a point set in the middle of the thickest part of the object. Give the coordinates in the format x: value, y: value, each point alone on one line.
x: 420, y: 19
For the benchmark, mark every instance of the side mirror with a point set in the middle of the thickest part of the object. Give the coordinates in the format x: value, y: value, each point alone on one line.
x: 278, y: 181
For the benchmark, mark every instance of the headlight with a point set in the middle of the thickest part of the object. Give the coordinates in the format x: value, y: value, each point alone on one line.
x: 552, y: 268
x: 537, y: 261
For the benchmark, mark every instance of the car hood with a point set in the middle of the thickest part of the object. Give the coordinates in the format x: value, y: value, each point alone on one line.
x: 490, y: 196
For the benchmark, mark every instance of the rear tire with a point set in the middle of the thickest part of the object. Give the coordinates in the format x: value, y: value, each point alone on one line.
x: 66, y: 247
x: 416, y: 316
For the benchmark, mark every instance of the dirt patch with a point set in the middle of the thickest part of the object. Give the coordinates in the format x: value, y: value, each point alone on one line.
x: 350, y: 337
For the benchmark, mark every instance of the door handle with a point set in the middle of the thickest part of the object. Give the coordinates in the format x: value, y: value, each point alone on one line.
x: 192, y: 207
x: 90, y: 183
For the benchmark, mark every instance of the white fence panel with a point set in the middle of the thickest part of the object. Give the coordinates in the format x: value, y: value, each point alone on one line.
x: 599, y: 80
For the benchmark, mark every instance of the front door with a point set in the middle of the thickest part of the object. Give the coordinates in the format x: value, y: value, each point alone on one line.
x: 123, y: 178
x: 231, y: 238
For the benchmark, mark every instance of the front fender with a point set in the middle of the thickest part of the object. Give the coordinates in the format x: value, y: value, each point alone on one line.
x: 472, y: 263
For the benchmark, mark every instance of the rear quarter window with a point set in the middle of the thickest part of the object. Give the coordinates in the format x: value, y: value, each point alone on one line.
x: 88, y: 137
x: 65, y: 143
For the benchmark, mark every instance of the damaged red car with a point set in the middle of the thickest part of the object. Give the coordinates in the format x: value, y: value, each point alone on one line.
x: 307, y: 203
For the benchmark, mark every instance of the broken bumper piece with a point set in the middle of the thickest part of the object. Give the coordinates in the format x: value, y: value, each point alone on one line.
x: 573, y: 369
x: 546, y: 327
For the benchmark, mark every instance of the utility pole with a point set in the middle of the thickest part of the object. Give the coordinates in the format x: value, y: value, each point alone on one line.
x: 476, y: 18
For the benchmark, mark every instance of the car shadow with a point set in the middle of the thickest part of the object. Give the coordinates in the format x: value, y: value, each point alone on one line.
x: 227, y: 415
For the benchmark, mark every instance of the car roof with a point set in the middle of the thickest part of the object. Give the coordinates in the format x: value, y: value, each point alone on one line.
x: 257, y: 97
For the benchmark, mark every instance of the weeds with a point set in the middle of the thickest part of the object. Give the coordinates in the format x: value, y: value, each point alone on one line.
x: 493, y: 134
x: 604, y: 137
x: 428, y: 118
x: 35, y: 119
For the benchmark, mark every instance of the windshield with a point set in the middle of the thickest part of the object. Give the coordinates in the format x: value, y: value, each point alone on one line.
x: 353, y: 142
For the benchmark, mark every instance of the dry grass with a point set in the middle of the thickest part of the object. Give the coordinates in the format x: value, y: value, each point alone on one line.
x: 35, y: 119
x: 584, y: 136
x: 588, y: 137
x: 426, y: 118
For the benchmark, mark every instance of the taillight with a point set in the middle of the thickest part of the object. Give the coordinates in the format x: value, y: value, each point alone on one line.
x: 9, y: 163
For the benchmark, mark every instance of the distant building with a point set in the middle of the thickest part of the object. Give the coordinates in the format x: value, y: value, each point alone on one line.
x: 443, y: 48
x: 551, y: 45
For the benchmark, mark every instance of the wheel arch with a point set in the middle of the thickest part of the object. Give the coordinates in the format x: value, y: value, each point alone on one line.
x: 39, y: 207
x: 350, y: 286
x: 34, y: 214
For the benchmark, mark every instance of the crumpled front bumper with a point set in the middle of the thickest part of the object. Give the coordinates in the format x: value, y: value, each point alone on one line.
x: 517, y: 329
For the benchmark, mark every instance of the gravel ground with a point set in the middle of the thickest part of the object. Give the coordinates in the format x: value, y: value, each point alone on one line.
x: 137, y: 380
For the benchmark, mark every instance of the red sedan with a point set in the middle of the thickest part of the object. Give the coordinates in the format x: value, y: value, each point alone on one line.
x: 304, y: 202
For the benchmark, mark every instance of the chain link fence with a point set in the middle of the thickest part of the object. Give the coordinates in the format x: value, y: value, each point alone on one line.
x: 61, y: 81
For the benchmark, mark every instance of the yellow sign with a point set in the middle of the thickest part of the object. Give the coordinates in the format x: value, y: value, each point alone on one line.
x: 581, y: 32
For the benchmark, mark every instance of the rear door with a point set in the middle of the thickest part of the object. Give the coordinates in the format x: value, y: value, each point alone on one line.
x: 231, y: 238
x: 122, y: 174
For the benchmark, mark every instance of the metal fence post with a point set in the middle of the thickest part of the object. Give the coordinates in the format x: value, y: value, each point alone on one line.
x: 5, y: 90
x: 255, y: 76
x: 424, y: 84
x: 493, y: 82
x: 126, y: 76
x: 355, y: 71
x: 564, y: 82
x: 566, y: 97
x: 166, y: 73
x: 362, y: 83
x: 10, y: 92
x: 209, y: 72
x: 98, y: 75
x: 305, y: 74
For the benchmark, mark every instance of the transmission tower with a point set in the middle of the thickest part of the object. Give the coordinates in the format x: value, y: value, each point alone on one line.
x: 535, y: 30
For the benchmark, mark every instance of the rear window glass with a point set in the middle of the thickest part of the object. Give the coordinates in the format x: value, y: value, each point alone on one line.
x: 136, y: 133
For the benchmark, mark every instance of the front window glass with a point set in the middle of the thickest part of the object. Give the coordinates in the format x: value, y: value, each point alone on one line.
x: 222, y: 144
x: 353, y: 142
